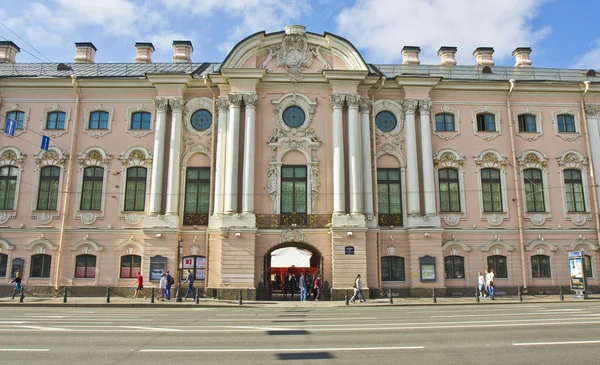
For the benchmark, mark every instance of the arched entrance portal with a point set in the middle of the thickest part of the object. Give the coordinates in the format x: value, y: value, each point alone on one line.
x: 286, y: 260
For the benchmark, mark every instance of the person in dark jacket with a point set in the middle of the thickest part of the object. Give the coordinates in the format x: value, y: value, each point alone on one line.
x: 17, y: 282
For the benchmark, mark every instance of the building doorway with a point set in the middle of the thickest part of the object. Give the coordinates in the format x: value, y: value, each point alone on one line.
x: 284, y: 264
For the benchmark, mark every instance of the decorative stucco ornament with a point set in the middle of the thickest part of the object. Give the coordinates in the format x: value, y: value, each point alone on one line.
x: 292, y: 235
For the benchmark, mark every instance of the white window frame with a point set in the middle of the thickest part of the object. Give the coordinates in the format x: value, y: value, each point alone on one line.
x: 138, y: 133
x: 532, y: 159
x: 448, y: 158
x: 53, y: 133
x: 393, y: 107
x: 528, y: 136
x: 98, y: 157
x: 96, y: 133
x: 492, y: 159
x: 193, y: 106
x: 136, y: 156
x: 294, y: 99
x: 12, y: 156
x: 567, y: 136
x: 15, y: 108
x: 574, y: 160
x: 487, y: 136
x: 389, y: 149
x: 53, y: 157
x: 446, y: 135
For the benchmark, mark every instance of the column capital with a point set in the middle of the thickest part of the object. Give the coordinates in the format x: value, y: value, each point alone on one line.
x: 365, y: 105
x: 353, y: 101
x: 161, y: 104
x: 222, y: 103
x: 337, y: 100
x: 425, y: 106
x: 410, y: 106
x: 591, y: 110
x: 250, y: 100
x: 177, y: 104
x: 235, y: 100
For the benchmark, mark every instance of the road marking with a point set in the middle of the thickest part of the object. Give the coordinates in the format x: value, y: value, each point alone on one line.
x: 290, y: 350
x: 476, y: 310
x: 486, y: 315
x: 560, y: 310
x: 555, y: 343
x: 44, y: 328
x: 290, y: 319
x: 8, y: 322
x: 24, y: 350
x: 152, y: 328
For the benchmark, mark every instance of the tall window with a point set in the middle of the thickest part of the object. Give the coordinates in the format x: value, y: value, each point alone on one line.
x: 455, y: 267
x: 130, y: 266
x: 392, y: 268
x: 85, y: 266
x: 3, y: 264
x: 17, y: 116
x: 389, y: 196
x: 589, y: 273
x: 574, y: 191
x: 135, y: 189
x: 293, y: 189
x: 444, y: 122
x: 197, y: 190
x: 48, y: 191
x: 566, y: 123
x: 8, y: 186
x: 491, y: 190
x: 140, y: 121
x: 498, y: 264
x: 540, y: 266
x: 196, y: 264
x: 527, y: 123
x: 449, y: 190
x: 98, y: 120
x: 55, y: 120
x: 486, y: 122
x: 91, y: 195
x: 40, y: 266
x: 534, y: 190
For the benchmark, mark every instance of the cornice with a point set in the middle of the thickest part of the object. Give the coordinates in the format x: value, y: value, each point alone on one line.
x: 243, y: 73
x: 162, y: 79
x: 430, y: 82
x: 350, y: 75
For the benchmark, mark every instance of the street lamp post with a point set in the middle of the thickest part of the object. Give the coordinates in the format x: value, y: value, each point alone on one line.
x: 178, y: 298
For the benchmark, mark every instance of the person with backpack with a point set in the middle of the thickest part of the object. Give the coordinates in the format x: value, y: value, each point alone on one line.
x: 170, y: 282
x: 357, y: 290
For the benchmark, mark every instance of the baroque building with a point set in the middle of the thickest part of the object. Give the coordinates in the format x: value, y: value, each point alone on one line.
x: 414, y: 176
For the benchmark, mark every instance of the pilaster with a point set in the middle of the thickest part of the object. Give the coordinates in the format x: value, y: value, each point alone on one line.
x: 366, y: 156
x: 339, y: 206
x: 161, y: 105
x: 250, y: 101
x: 231, y: 162
x: 427, y: 160
x: 177, y: 106
x: 591, y: 112
x: 412, y: 170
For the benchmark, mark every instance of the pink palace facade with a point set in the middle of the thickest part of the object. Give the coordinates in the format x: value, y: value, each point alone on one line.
x: 414, y: 176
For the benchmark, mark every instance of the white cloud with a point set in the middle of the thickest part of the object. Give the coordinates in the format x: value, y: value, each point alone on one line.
x: 591, y: 59
x: 383, y: 27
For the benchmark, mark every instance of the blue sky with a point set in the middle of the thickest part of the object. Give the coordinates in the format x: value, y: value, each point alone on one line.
x: 562, y: 33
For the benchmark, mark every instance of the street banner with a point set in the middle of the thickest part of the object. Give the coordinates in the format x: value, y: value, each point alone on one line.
x: 45, y: 143
x: 10, y: 126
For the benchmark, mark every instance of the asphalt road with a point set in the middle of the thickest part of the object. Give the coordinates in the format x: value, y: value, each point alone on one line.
x: 500, y: 334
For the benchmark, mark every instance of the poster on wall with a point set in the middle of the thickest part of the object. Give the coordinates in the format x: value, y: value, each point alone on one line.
x: 577, y: 270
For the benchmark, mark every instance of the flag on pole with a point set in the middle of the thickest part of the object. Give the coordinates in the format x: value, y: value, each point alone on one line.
x: 10, y: 126
x: 45, y: 143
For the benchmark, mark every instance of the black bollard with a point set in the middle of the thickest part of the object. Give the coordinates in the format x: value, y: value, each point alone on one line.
x: 178, y: 295
x: 65, y: 295
x: 107, y: 294
x: 520, y: 294
x: 477, y: 294
x: 197, y: 296
x: 240, y: 296
x: 22, y: 295
x: 434, y: 297
x: 391, y: 298
x: 152, y: 299
x: 346, y: 298
x: 560, y: 292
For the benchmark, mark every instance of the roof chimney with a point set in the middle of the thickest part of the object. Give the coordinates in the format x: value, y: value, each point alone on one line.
x: 85, y: 52
x: 447, y: 55
x: 8, y: 52
x: 521, y: 55
x: 143, y: 52
x: 484, y: 56
x: 182, y: 51
x: 410, y: 55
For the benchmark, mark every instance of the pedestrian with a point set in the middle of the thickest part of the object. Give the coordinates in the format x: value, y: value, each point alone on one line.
x: 318, y: 285
x: 190, y: 283
x: 357, y: 290
x: 481, y: 284
x: 302, y: 287
x: 170, y: 282
x: 17, y: 282
x: 486, y: 276
x: 162, y: 287
x: 139, y: 282
x: 292, y: 284
x: 492, y: 284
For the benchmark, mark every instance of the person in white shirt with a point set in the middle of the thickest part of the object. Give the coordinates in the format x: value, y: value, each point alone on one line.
x: 491, y: 281
x: 358, y: 290
x: 162, y: 287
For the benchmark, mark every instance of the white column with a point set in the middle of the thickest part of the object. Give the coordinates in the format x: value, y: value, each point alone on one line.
x: 354, y: 159
x: 367, y: 175
x: 412, y: 170
x: 427, y: 158
x: 222, y: 106
x: 339, y: 200
x: 156, y: 183
x: 174, y: 156
x: 231, y: 162
x: 250, y: 101
x: 591, y: 112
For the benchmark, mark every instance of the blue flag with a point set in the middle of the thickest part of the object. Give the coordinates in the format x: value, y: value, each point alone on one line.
x: 45, y: 143
x: 10, y: 126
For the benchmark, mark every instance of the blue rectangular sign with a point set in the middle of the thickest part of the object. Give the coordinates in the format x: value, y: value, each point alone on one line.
x: 10, y: 126
x: 45, y: 143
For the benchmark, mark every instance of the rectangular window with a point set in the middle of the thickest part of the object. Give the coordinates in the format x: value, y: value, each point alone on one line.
x: 85, y: 266
x: 491, y: 190
x: 130, y: 266
x: 135, y: 189
x: 98, y: 120
x: 91, y: 195
x: 540, y: 266
x: 8, y: 187
x: 455, y: 267
x: 486, y: 122
x: 574, y: 191
x: 566, y: 123
x: 197, y: 190
x: 589, y: 273
x: 498, y: 264
x: 389, y: 196
x: 140, y: 121
x: 392, y: 268
x: 449, y: 190
x: 527, y: 123
x: 293, y: 189
x: 56, y: 120
x: 444, y: 122
x: 48, y: 190
x: 18, y: 117
x: 534, y: 190
x: 40, y: 266
x: 3, y: 264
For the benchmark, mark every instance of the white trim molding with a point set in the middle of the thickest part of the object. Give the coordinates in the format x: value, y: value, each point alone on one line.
x: 446, y: 135
x: 294, y: 99
x: 53, y: 133
x: 40, y: 242
x: 4, y: 245
x: 528, y: 136
x: 448, y: 158
x: 493, y: 159
x: 199, y: 148
x: 572, y: 159
x: 130, y: 246
x: 193, y: 106
x: 394, y: 107
x: 136, y: 156
x: 53, y: 157
x: 96, y: 133
x: 531, y: 245
x: 138, y: 133
x: 12, y: 156
x: 582, y: 241
x: 532, y: 159
x: 497, y: 241
x: 448, y: 244
x: 488, y: 136
x: 86, y: 242
x: 14, y: 108
x: 567, y: 136
x: 98, y: 157
x: 390, y: 149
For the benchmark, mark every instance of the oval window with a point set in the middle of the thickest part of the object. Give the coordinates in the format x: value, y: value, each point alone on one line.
x: 386, y: 121
x: 201, y: 120
x: 293, y: 116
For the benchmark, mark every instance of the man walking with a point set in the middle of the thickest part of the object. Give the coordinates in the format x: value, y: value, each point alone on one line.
x: 139, y: 285
x: 190, y: 282
x: 170, y: 282
x: 302, y: 288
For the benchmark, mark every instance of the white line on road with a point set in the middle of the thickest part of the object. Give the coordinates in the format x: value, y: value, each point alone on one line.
x: 555, y: 343
x: 435, y: 310
x: 488, y: 315
x: 292, y: 319
x: 44, y: 328
x: 559, y: 310
x: 290, y: 350
x: 152, y: 328
x: 24, y: 350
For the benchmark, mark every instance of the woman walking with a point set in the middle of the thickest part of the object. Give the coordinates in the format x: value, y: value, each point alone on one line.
x: 358, y: 290
x: 481, y: 284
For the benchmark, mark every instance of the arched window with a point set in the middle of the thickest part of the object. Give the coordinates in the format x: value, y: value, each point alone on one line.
x: 85, y: 266
x: 527, y: 123
x: 48, y: 188
x: 566, y: 123
x: 499, y: 265
x: 130, y: 266
x: 18, y: 117
x: 534, y: 190
x: 392, y: 268
x: 444, y: 122
x: 449, y: 190
x: 574, y: 191
x: 540, y: 266
x: 3, y: 264
x: 55, y: 120
x: 91, y: 192
x: 40, y: 266
x: 491, y: 190
x: 389, y: 195
x: 455, y: 267
x: 98, y: 120
x: 135, y: 189
x: 8, y: 186
x: 140, y: 121
x: 486, y: 122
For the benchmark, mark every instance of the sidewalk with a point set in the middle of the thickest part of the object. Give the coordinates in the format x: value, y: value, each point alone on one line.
x: 121, y: 302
